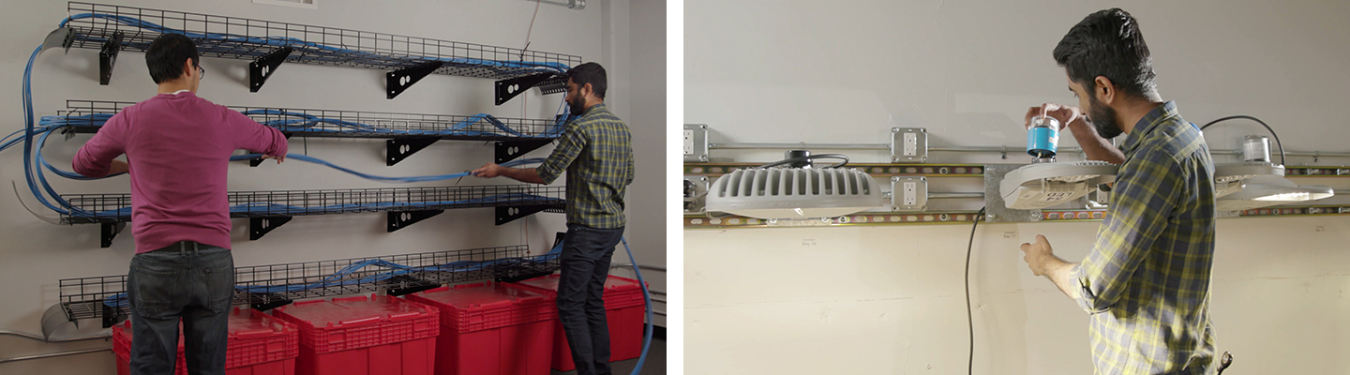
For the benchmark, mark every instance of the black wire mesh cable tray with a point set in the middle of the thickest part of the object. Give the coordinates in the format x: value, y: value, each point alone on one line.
x: 105, y: 208
x: 353, y: 48
x: 86, y: 298
x: 392, y: 125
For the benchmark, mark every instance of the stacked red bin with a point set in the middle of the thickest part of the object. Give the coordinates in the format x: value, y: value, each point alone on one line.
x: 257, y: 344
x: 492, y: 329
x: 372, y: 335
x: 624, y: 307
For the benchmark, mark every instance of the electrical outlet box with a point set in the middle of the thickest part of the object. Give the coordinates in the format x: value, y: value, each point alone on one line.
x: 695, y: 192
x: 909, y: 194
x: 695, y: 143
x: 909, y: 145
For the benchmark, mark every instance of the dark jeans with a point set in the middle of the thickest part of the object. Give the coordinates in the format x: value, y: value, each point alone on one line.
x: 186, y: 280
x: 581, y: 289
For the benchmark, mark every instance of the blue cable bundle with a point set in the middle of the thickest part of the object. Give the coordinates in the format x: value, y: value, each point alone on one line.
x: 39, y: 132
x: 228, y: 43
x: 339, y: 278
x: 34, y: 176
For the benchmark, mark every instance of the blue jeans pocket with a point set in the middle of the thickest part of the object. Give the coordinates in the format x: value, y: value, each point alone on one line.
x: 159, y: 290
x: 219, y: 277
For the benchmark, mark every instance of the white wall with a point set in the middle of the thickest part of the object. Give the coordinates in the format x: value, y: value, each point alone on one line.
x: 890, y: 300
x: 36, y: 254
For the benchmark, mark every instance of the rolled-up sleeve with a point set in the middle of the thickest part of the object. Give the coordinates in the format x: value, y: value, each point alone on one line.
x: 94, y: 159
x: 1144, y: 197
x: 569, y: 146
x: 255, y: 137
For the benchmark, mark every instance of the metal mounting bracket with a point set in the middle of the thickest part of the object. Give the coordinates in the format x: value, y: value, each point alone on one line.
x: 262, y: 68
x: 548, y: 83
x: 259, y: 226
x: 400, y: 220
x: 397, y: 81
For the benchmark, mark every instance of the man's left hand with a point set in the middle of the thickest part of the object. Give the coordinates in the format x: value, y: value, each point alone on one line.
x: 1038, y: 255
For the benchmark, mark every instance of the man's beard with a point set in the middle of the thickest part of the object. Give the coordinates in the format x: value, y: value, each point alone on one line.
x: 577, y: 106
x: 1103, y: 119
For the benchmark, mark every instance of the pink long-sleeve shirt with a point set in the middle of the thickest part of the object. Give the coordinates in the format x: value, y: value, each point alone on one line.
x: 178, y: 148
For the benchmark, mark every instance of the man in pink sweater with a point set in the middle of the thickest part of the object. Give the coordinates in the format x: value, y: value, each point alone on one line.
x: 178, y: 148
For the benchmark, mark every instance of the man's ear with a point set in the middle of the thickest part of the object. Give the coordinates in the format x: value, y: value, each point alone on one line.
x: 189, y: 66
x: 587, y: 90
x: 1104, y: 90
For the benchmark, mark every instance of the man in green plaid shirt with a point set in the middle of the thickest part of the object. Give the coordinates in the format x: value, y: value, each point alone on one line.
x: 596, y: 151
x: 1146, y: 280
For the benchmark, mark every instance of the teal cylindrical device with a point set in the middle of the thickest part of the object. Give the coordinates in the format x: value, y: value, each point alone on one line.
x: 1043, y: 137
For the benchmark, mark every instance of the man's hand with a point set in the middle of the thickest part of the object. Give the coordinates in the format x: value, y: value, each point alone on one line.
x: 1065, y: 114
x: 1043, y: 262
x: 488, y: 170
x: 280, y: 158
x: 1039, y: 256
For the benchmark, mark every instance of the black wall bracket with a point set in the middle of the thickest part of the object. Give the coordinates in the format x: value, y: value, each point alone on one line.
x: 258, y: 160
x: 107, y: 57
x: 268, y: 301
x: 409, y: 285
x: 398, y: 149
x: 509, y: 214
x: 548, y: 83
x: 509, y: 150
x: 400, y: 220
x: 111, y: 315
x: 262, y: 68
x: 110, y: 231
x: 259, y: 226
x: 397, y: 81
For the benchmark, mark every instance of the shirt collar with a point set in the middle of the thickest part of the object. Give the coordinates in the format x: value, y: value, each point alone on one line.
x: 1161, y: 114
x: 593, y: 108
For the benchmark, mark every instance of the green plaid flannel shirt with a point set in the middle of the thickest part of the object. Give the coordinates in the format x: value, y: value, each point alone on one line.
x: 596, y: 150
x: 1146, y: 281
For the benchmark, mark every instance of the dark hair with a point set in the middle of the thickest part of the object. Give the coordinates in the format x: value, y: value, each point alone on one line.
x: 591, y: 73
x: 166, y: 55
x: 1108, y: 44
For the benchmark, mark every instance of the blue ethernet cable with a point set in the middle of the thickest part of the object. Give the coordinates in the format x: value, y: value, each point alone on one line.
x: 506, y: 67
x: 339, y: 278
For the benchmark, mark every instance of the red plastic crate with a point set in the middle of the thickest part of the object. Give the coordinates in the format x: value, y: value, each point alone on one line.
x: 492, y: 329
x: 480, y: 306
x: 257, y: 339
x: 257, y: 344
x: 624, y: 306
x: 372, y: 335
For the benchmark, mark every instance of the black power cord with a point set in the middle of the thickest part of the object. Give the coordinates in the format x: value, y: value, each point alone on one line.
x: 970, y: 319
x: 810, y: 157
x: 1263, y: 123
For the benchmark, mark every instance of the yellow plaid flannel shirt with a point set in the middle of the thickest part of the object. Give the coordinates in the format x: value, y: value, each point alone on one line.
x: 596, y: 150
x: 1146, y: 281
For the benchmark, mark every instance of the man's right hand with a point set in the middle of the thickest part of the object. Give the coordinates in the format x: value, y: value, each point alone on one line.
x: 1094, y: 146
x: 1064, y: 113
x: 488, y: 170
x: 279, y: 158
